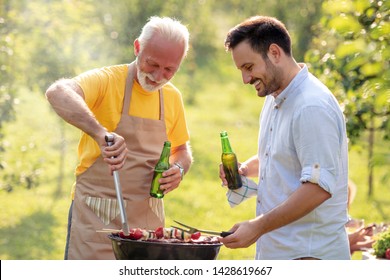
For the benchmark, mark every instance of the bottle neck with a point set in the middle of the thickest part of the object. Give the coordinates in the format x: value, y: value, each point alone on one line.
x: 163, y: 162
x: 166, y: 152
x: 226, y: 148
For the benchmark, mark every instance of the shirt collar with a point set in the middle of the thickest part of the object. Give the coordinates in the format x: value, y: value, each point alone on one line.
x: 302, y: 74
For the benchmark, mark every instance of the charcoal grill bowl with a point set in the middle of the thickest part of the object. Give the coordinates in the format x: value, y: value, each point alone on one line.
x: 127, y: 249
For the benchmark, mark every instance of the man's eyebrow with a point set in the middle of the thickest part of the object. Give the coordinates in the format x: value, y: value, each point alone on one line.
x: 245, y: 64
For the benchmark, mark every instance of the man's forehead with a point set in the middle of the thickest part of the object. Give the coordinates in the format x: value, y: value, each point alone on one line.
x: 243, y: 54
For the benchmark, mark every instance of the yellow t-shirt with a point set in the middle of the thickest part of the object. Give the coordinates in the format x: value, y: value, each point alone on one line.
x: 104, y: 92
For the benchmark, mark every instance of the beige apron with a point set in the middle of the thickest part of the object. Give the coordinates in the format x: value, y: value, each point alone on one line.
x: 95, y: 206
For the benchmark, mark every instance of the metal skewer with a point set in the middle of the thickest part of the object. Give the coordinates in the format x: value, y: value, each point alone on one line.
x: 110, y: 141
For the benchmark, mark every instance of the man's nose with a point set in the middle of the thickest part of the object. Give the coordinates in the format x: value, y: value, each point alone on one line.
x: 162, y: 74
x: 158, y: 75
x: 246, y: 79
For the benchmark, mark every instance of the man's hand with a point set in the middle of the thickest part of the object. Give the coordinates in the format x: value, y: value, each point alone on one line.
x: 244, y: 235
x: 114, y: 154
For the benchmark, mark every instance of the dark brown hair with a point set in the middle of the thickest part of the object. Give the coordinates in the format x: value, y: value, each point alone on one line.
x: 260, y: 32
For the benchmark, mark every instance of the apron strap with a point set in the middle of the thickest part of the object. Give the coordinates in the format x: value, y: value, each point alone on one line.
x: 128, y: 88
x: 161, y: 105
x: 128, y: 91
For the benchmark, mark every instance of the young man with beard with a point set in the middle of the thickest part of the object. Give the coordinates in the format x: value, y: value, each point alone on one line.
x: 302, y: 158
x: 139, y: 106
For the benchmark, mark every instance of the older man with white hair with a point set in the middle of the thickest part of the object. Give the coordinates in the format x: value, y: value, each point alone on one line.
x: 138, y: 105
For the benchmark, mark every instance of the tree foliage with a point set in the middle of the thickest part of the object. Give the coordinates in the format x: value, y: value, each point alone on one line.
x: 7, y: 87
x: 42, y: 41
x: 351, y: 55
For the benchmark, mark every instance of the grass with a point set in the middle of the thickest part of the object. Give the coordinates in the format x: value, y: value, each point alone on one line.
x: 33, y: 222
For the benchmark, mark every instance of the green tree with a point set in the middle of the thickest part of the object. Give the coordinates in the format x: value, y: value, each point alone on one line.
x: 351, y: 55
x: 40, y: 42
x: 7, y: 87
x: 7, y: 73
x: 298, y: 15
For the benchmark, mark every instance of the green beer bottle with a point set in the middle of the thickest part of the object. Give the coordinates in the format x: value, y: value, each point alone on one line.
x: 161, y: 166
x: 229, y: 162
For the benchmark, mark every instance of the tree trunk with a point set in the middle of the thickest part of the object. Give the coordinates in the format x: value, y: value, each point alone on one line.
x: 371, y: 140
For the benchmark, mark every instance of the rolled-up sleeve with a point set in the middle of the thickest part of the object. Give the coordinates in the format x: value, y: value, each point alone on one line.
x: 317, y: 141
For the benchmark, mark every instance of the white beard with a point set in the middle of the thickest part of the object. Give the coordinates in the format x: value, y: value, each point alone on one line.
x: 142, y: 80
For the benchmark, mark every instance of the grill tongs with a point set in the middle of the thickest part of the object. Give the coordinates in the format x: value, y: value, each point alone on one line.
x: 193, y: 230
x: 125, y: 227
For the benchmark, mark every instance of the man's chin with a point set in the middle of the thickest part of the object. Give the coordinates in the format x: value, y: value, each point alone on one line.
x: 150, y: 88
x: 260, y: 93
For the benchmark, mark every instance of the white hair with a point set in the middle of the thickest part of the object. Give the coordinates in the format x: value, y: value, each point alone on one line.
x: 171, y: 29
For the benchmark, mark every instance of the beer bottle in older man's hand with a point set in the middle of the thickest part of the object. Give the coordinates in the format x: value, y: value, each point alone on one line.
x: 161, y: 166
x: 229, y: 163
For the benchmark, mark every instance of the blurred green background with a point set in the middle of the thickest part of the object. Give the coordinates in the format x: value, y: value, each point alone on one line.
x: 344, y: 44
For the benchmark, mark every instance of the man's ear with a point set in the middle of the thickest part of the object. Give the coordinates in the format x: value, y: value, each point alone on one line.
x: 137, y: 47
x: 274, y: 53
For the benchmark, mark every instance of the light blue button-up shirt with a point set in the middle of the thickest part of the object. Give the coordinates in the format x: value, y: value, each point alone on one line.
x: 303, y: 138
